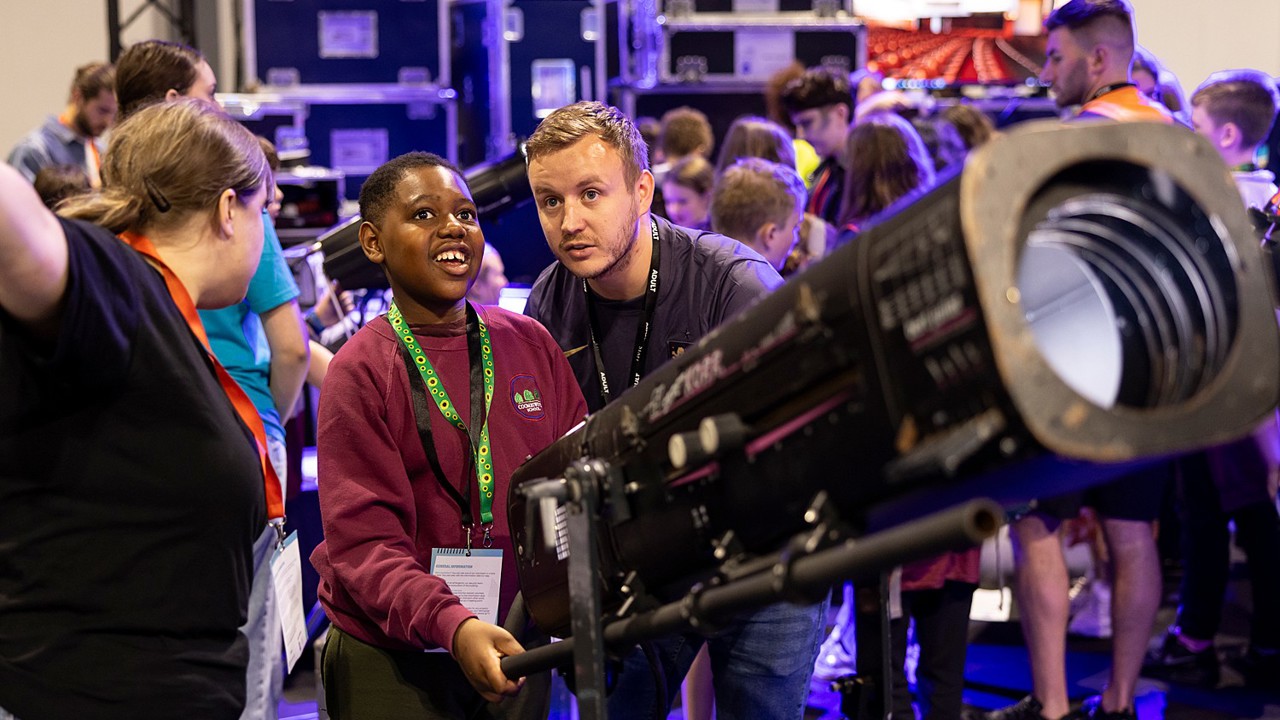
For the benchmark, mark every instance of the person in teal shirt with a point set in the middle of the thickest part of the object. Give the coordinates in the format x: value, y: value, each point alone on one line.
x: 262, y: 342
x: 268, y: 362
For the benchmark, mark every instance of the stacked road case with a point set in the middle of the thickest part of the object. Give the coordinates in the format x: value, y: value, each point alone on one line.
x: 356, y: 82
x: 717, y: 55
x: 533, y: 56
x: 514, y: 61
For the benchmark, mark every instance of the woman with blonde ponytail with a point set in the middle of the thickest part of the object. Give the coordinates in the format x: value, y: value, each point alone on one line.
x: 131, y: 474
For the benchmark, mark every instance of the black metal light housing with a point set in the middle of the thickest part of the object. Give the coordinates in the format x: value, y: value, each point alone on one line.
x: 497, y: 187
x: 1077, y: 299
x: 1153, y: 227
x: 500, y: 186
x: 345, y: 261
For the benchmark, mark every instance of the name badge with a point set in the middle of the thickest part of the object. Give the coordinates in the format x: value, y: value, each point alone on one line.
x: 286, y: 575
x: 476, y: 579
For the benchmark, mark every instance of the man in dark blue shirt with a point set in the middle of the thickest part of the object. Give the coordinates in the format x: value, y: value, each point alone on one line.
x: 628, y: 292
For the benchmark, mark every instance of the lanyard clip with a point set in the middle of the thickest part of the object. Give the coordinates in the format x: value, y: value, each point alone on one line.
x: 278, y: 524
x: 466, y: 529
x: 488, y: 539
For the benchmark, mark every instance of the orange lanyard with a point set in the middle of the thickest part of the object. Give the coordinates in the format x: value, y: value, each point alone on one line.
x: 97, y: 157
x: 239, y: 400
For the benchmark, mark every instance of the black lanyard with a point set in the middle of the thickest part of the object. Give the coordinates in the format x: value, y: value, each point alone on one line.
x: 1109, y: 88
x: 422, y: 416
x: 642, y: 332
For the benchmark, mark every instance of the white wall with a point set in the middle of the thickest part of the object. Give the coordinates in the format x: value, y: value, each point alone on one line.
x: 42, y: 42
x: 1196, y: 37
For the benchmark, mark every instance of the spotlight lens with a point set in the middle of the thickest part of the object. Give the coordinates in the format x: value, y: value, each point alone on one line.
x: 1127, y: 286
x: 1072, y: 320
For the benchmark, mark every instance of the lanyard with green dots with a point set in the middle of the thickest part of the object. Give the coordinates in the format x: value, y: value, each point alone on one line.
x: 480, y: 356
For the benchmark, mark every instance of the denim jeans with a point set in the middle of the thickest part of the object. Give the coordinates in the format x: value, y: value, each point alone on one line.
x: 761, y: 663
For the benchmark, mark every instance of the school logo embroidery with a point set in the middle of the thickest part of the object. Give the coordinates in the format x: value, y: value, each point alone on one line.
x: 526, y: 397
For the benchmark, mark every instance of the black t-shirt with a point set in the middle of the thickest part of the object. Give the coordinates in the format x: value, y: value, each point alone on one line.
x: 704, y: 279
x: 619, y: 321
x: 827, y: 192
x: 130, y: 498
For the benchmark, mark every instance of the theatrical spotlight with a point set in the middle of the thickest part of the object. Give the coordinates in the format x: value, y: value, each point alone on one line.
x: 344, y: 259
x: 497, y: 187
x: 500, y: 186
x: 1078, y: 299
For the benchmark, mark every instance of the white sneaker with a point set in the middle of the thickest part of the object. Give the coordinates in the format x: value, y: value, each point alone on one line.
x: 1091, y: 611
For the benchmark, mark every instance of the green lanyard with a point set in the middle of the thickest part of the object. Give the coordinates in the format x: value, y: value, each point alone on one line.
x: 480, y: 452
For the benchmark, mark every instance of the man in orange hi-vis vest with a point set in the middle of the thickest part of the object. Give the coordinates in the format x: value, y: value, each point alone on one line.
x: 1089, y: 53
x: 75, y: 136
x: 1090, y: 48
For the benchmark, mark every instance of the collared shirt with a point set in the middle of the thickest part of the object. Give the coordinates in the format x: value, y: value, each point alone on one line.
x: 51, y: 144
x: 1257, y: 187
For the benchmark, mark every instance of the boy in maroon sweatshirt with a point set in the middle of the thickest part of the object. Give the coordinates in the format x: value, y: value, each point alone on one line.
x: 417, y: 553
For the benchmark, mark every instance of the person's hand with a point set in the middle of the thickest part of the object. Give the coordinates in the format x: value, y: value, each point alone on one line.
x: 478, y: 647
x: 326, y: 308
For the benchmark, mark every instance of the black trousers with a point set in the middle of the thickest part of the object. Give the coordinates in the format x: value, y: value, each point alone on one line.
x: 363, y: 682
x: 1206, y: 560
x: 942, y: 631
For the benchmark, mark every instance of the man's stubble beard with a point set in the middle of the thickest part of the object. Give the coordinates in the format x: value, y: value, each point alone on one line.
x: 81, y: 123
x: 628, y: 246
x: 1076, y: 96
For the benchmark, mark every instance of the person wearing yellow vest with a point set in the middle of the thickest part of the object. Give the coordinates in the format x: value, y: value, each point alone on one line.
x: 1089, y: 51
x: 72, y: 138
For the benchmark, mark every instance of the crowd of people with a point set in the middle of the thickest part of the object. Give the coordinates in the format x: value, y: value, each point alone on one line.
x: 152, y: 348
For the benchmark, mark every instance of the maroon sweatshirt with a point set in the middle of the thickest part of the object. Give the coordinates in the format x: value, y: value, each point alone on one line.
x: 383, y: 508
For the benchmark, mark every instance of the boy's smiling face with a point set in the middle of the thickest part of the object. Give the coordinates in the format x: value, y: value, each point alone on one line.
x: 429, y: 243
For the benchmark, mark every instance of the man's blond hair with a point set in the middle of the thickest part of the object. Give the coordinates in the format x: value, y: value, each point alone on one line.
x: 571, y: 123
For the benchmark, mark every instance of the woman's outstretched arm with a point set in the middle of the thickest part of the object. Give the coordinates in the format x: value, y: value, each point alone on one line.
x: 33, y: 256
